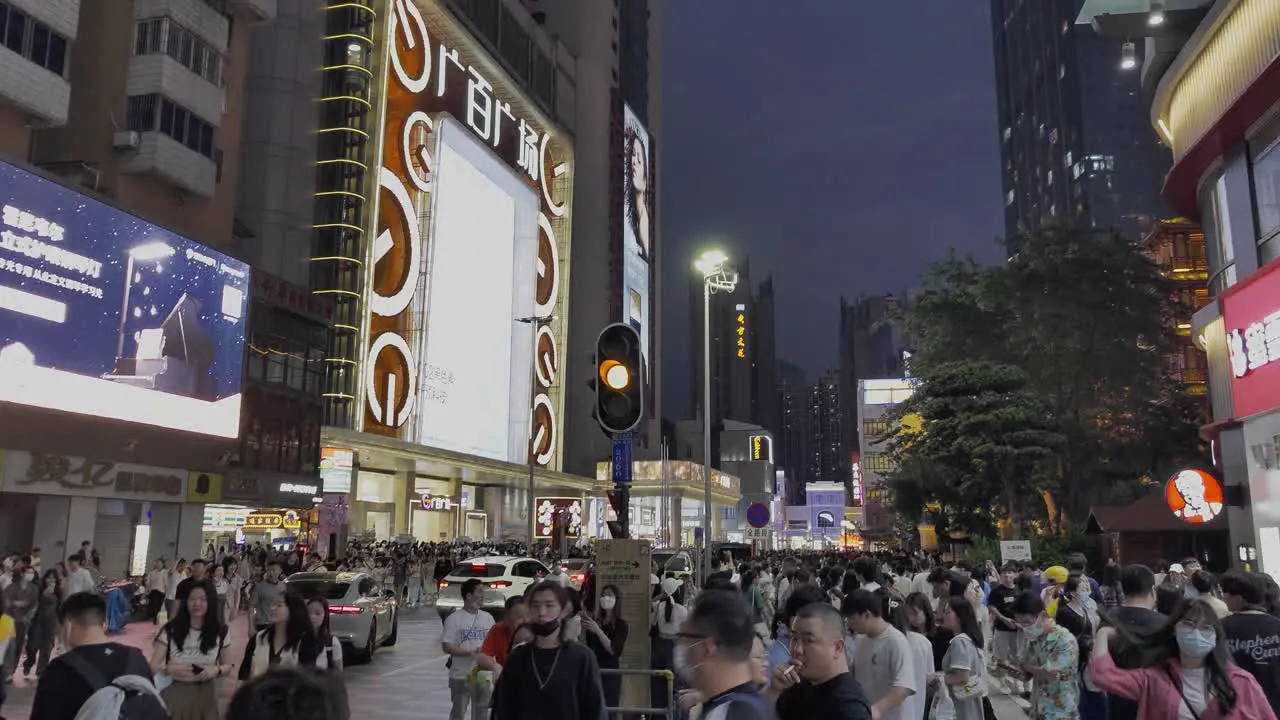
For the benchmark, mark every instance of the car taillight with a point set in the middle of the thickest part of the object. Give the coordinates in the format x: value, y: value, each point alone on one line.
x: 444, y: 584
x: 578, y: 578
x: 345, y: 609
x: 499, y: 584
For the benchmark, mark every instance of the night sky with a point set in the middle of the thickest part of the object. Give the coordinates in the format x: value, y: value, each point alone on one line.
x: 842, y: 146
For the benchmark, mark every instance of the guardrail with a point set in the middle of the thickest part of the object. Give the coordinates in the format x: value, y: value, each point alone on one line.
x: 668, y: 712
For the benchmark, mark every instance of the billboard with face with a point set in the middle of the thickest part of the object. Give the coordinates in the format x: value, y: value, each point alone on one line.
x: 105, y: 314
x: 637, y: 226
x: 466, y: 308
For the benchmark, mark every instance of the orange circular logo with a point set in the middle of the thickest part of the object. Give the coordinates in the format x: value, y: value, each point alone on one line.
x: 1194, y: 496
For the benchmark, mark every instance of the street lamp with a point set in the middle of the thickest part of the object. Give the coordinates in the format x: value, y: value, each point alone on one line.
x: 533, y: 321
x: 151, y: 252
x: 715, y: 278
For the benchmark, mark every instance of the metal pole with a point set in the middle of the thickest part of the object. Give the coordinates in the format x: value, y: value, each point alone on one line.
x: 533, y: 380
x: 124, y: 311
x: 706, y: 429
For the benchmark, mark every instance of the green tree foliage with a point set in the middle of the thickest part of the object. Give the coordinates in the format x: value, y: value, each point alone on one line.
x: 1082, y: 315
x: 985, y: 449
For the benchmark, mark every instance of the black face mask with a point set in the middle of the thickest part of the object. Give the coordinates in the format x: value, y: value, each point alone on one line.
x: 543, y: 629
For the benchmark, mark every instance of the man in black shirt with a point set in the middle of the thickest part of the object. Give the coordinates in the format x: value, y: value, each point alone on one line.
x: 816, y: 682
x: 198, y: 569
x: 62, y: 689
x: 1000, y: 607
x: 713, y: 654
x: 548, y: 679
x: 1136, y: 616
x: 1253, y: 635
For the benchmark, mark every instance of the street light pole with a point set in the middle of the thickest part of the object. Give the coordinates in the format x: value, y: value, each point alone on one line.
x: 706, y: 430
x: 532, y: 321
x: 715, y: 278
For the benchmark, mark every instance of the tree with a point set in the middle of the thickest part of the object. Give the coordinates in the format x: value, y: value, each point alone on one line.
x: 984, y: 449
x: 1082, y: 314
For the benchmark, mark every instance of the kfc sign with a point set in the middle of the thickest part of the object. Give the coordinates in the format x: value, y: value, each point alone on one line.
x: 1251, y: 315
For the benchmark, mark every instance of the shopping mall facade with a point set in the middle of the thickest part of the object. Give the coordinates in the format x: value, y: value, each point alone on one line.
x: 1216, y: 104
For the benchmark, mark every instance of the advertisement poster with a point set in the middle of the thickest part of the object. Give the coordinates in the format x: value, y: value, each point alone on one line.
x: 637, y: 226
x: 105, y: 314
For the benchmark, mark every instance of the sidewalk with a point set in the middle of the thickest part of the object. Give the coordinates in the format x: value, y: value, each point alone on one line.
x: 137, y: 635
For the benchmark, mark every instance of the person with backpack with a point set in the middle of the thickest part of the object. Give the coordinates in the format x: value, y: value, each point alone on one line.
x: 187, y: 655
x: 95, y: 679
x: 330, y: 648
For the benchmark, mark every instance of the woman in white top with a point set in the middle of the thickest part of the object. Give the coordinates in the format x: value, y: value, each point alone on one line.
x: 330, y: 656
x: 222, y: 586
x: 668, y: 616
x: 186, y: 657
x: 916, y: 704
x: 235, y: 585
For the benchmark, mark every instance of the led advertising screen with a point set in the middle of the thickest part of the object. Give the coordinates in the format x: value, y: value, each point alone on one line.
x: 105, y: 314
x: 637, y: 225
x: 480, y: 276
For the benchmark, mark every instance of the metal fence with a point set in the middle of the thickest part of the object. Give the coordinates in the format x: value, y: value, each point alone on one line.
x: 670, y: 712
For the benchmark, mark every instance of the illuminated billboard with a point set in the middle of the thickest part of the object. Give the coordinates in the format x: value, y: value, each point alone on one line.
x: 105, y: 314
x: 637, y: 226
x: 550, y: 510
x: 466, y: 308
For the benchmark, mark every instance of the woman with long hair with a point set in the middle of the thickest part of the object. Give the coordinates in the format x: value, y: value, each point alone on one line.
x: 668, y: 616
x: 637, y: 187
x: 606, y: 635
x: 287, y: 641
x: 1186, y: 670
x: 44, y: 626
x: 920, y: 616
x: 1073, y: 616
x: 330, y: 649
x: 187, y: 652
x: 915, y: 706
x: 962, y: 667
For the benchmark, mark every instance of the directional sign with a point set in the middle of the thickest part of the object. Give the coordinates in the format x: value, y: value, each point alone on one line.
x: 622, y: 459
x: 625, y: 564
x: 758, y: 515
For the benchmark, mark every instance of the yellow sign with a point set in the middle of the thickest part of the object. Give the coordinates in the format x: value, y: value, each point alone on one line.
x: 271, y: 521
x: 762, y: 448
x: 742, y: 335
x: 204, y: 487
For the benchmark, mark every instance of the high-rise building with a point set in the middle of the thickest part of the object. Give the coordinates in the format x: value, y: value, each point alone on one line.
x: 790, y: 445
x: 825, y: 459
x: 1072, y: 122
x: 1177, y: 248
x: 124, y: 295
x: 873, y: 344
x: 617, y: 120
x: 765, y: 367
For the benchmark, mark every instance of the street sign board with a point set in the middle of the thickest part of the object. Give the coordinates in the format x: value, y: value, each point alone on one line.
x: 622, y: 459
x: 755, y: 533
x: 758, y: 515
x: 626, y: 564
x: 1015, y: 551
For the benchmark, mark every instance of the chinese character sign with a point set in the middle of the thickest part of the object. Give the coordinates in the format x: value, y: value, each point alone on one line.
x: 1251, y: 317
x: 740, y: 333
x: 549, y: 511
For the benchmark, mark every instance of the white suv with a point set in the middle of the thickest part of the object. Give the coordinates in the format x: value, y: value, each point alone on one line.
x: 503, y: 577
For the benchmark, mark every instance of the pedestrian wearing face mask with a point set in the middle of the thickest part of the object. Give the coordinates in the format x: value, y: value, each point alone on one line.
x: 1187, y: 673
x: 668, y: 616
x: 549, y: 679
x: 606, y: 634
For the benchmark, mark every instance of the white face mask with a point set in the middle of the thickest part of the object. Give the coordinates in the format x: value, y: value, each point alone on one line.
x: 607, y: 602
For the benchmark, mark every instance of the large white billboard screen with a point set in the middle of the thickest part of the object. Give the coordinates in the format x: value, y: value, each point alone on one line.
x: 475, y: 383
x: 637, y: 226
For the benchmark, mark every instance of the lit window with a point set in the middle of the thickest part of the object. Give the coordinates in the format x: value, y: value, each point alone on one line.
x: 1067, y: 161
x: 1008, y: 132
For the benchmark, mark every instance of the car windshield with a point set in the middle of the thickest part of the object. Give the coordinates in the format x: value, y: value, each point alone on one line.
x: 477, y: 570
x: 320, y: 588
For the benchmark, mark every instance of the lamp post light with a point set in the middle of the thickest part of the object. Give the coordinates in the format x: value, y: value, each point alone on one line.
x: 533, y: 321
x: 716, y: 277
x: 151, y: 252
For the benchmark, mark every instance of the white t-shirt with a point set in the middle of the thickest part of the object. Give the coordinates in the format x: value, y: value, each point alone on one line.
x: 466, y: 631
x: 334, y: 650
x: 921, y: 668
x: 669, y: 628
x: 1193, y: 687
x: 560, y: 578
x: 190, y: 652
x: 79, y: 580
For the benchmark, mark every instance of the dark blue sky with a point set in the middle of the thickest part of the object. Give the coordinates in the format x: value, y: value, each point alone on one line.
x: 842, y: 146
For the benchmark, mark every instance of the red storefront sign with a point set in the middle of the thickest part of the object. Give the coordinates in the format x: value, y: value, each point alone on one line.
x: 1251, y: 315
x: 294, y: 298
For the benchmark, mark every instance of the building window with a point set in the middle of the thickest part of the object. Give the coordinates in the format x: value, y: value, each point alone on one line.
x: 878, y: 463
x: 163, y: 35
x: 1266, y: 198
x: 33, y: 40
x: 148, y: 113
x: 1222, y: 255
x: 875, y: 429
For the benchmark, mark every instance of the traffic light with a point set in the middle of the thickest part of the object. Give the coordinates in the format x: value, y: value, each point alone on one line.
x: 620, y: 502
x: 619, y: 379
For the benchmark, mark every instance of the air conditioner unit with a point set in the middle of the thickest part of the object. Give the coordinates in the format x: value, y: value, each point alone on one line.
x: 126, y: 140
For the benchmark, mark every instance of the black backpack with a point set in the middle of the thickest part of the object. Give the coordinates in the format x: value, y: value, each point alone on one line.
x: 127, y: 697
